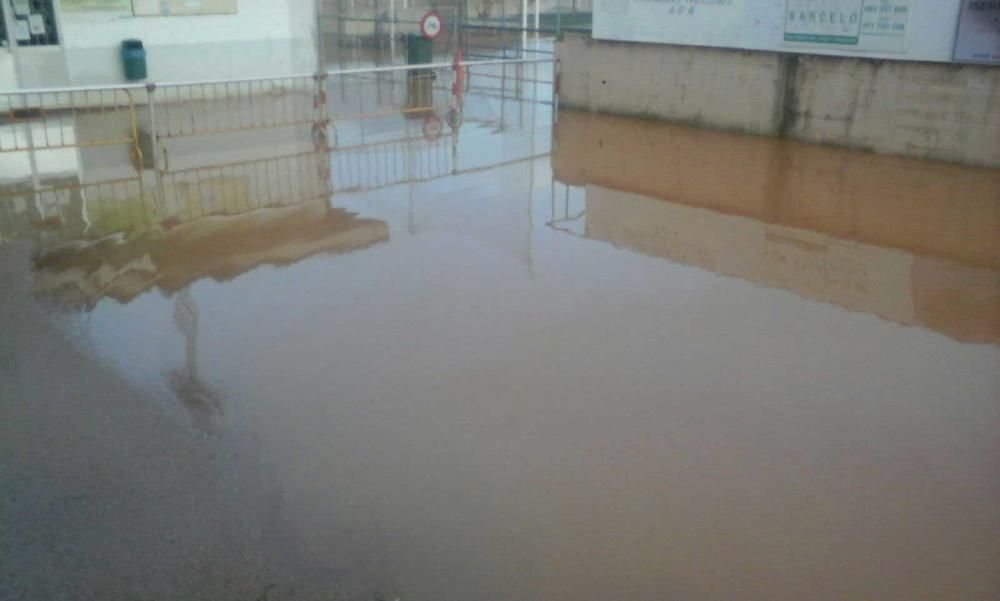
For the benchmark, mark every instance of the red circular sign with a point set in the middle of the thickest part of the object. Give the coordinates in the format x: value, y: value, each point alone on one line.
x: 431, y: 25
x: 433, y: 128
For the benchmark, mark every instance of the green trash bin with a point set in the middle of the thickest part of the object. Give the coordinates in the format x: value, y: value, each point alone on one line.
x: 419, y: 50
x: 419, y: 82
x: 134, y: 60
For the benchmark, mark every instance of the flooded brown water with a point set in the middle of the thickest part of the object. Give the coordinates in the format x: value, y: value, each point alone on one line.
x: 656, y: 364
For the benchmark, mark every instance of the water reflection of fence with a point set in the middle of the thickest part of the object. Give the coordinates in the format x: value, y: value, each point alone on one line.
x: 129, y: 206
x: 79, y: 209
x: 568, y: 209
x: 380, y: 164
x: 235, y: 188
x: 419, y: 158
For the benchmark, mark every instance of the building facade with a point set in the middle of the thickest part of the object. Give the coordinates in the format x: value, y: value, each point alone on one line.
x: 51, y: 43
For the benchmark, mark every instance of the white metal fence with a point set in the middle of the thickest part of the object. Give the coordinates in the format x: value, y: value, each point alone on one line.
x: 47, y: 118
x: 147, y: 120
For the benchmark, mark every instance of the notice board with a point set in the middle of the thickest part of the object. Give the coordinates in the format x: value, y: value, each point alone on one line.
x: 165, y: 8
x: 978, y: 38
x: 862, y: 25
x: 919, y: 30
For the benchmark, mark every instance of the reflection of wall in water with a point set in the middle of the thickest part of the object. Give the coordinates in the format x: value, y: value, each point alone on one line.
x: 961, y: 302
x: 79, y: 276
x: 923, y: 207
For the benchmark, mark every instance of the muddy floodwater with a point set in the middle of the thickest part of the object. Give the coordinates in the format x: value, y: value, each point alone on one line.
x: 606, y: 359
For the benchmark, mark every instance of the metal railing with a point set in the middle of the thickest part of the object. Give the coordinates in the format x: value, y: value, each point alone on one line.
x: 356, y: 30
x: 147, y: 119
x: 212, y: 107
x: 47, y: 118
x: 381, y: 91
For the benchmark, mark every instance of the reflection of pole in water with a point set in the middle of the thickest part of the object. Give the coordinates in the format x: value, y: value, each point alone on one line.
x: 199, y: 399
x: 186, y: 318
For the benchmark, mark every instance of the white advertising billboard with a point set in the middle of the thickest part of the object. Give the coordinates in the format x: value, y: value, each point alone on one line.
x: 896, y: 29
x: 698, y: 22
x: 848, y: 24
x: 978, y: 39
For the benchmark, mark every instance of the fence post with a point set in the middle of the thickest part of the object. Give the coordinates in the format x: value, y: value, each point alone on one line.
x: 321, y: 113
x: 556, y: 81
x: 155, y: 143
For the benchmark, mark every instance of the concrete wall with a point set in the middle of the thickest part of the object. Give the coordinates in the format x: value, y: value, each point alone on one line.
x: 924, y: 110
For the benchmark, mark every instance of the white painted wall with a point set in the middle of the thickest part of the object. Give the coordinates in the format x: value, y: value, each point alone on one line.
x: 8, y: 77
x: 760, y: 25
x: 41, y: 66
x: 265, y: 37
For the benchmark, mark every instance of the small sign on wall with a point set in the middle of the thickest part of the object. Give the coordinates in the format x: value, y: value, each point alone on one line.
x: 22, y: 33
x: 978, y: 38
x: 36, y: 24
x: 865, y: 25
x: 699, y: 22
x: 161, y: 8
x: 96, y: 5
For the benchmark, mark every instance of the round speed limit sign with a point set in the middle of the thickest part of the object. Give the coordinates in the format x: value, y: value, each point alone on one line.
x: 430, y: 25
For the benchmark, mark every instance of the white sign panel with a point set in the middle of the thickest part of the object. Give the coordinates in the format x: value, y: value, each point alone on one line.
x: 36, y: 24
x: 699, y: 22
x: 978, y: 39
x: 863, y: 25
x: 146, y: 8
x: 21, y: 31
x: 897, y: 29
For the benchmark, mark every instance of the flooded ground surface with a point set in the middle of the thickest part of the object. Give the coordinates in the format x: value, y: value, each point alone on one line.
x: 449, y: 363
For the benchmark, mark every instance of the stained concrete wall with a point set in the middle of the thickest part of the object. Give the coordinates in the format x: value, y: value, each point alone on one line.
x: 924, y: 110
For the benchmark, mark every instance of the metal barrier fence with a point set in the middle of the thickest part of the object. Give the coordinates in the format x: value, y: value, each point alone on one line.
x: 212, y: 107
x: 145, y: 120
x: 48, y: 118
x: 379, y: 91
